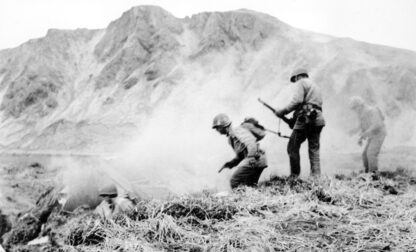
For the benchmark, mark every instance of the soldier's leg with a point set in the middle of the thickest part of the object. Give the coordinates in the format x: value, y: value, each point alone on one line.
x: 257, y: 168
x: 253, y: 179
x: 247, y: 173
x: 296, y: 139
x: 365, y: 157
x: 373, y: 151
x: 241, y: 174
x: 314, y: 135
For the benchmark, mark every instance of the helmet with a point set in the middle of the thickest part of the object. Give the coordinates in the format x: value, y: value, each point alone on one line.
x: 221, y: 120
x: 297, y: 72
x: 356, y: 102
x: 108, y: 190
x: 65, y: 191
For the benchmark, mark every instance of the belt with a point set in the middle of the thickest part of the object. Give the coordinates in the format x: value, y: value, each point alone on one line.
x: 257, y: 155
x: 314, y: 106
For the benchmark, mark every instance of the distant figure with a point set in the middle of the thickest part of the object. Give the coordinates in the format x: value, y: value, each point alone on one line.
x: 250, y: 159
x: 307, y: 106
x: 372, y: 128
x: 112, y: 204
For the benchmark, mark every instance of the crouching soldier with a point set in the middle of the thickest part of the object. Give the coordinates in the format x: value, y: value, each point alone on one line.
x: 250, y: 160
x: 372, y: 129
x: 112, y: 204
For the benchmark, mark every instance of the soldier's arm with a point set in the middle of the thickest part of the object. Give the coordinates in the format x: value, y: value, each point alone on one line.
x: 376, y: 124
x: 297, y: 99
x: 235, y: 161
x: 247, y: 144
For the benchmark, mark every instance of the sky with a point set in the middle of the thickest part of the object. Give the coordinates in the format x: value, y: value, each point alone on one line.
x: 386, y: 22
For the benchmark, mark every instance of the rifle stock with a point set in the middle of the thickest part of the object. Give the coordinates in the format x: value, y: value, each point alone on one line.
x: 288, y: 121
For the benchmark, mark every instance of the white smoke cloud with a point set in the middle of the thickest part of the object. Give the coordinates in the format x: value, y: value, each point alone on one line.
x: 178, y: 152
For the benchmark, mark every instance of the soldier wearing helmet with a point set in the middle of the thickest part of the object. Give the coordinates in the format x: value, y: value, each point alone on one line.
x: 250, y: 160
x: 372, y: 129
x: 306, y: 103
x: 112, y: 203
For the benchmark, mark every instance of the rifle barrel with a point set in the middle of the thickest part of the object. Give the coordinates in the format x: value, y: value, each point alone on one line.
x: 284, y: 118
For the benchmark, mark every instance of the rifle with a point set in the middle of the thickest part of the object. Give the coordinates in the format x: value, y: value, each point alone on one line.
x: 289, y: 122
x: 276, y: 133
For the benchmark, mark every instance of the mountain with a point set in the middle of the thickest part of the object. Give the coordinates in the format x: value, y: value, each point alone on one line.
x: 150, y: 72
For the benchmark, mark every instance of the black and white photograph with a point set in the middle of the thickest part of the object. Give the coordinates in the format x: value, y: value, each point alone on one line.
x: 180, y: 125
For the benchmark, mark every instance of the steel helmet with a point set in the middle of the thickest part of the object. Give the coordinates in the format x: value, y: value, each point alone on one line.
x: 356, y: 102
x: 108, y: 190
x: 221, y: 120
x: 297, y: 72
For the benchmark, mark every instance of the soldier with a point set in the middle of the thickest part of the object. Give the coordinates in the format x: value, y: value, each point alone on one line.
x: 250, y: 159
x: 307, y: 106
x: 372, y: 129
x: 111, y: 204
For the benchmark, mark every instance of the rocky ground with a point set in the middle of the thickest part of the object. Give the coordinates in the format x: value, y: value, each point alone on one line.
x: 23, y: 178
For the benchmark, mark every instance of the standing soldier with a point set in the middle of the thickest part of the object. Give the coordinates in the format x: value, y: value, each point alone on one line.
x: 307, y: 106
x: 250, y: 159
x: 372, y: 128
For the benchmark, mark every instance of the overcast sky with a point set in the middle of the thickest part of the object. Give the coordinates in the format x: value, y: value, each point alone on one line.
x: 387, y: 22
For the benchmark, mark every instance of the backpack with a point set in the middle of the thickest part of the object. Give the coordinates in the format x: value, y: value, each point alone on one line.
x: 255, y: 128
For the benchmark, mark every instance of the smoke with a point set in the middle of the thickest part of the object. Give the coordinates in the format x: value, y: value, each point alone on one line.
x: 178, y: 152
x: 80, y: 178
x: 178, y: 148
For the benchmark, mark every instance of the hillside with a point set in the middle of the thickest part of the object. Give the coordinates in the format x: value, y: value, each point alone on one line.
x: 98, y: 88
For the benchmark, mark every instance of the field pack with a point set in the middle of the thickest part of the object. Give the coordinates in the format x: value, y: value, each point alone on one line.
x: 254, y: 127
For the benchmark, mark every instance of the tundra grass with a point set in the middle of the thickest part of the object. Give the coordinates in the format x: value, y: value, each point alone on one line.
x: 362, y: 212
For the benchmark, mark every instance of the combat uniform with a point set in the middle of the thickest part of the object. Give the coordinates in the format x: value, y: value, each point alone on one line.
x: 307, y: 96
x: 250, y: 159
x: 373, y: 128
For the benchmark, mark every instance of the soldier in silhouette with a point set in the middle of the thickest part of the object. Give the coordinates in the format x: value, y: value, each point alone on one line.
x: 372, y: 129
x: 306, y: 103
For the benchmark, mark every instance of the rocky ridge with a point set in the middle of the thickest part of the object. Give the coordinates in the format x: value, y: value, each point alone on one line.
x: 71, y: 84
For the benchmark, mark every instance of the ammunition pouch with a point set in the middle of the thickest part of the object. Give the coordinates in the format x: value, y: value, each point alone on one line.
x: 307, y: 113
x: 257, y: 155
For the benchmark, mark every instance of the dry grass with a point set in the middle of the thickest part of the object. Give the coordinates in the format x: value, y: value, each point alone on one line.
x: 354, y: 213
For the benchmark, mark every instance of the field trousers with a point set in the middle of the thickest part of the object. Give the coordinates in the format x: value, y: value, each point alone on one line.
x: 312, y: 133
x: 371, y: 151
x: 248, y: 171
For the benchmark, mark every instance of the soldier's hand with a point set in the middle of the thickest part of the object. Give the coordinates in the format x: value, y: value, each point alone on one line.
x: 360, y: 141
x: 278, y: 113
x: 222, y: 168
x: 225, y: 166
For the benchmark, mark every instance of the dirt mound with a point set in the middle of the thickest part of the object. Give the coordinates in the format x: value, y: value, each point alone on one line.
x: 86, y: 231
x: 283, y: 185
x: 23, y: 183
x: 5, y: 225
x: 29, y: 224
x: 199, y: 209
